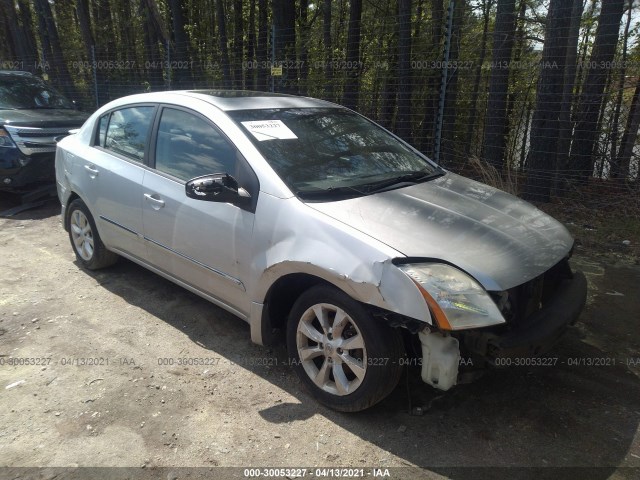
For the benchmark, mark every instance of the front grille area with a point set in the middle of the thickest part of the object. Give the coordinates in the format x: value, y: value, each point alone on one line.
x: 519, y: 303
x: 32, y: 140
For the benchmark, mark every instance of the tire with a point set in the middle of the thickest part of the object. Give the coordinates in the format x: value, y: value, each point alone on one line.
x: 322, y: 323
x: 85, y: 239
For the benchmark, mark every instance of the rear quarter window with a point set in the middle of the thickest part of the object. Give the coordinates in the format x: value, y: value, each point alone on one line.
x: 101, y: 133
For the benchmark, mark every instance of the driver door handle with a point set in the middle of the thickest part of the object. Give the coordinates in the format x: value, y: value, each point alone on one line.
x: 156, y: 203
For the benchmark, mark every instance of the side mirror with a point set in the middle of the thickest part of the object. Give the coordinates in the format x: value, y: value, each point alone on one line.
x: 219, y: 187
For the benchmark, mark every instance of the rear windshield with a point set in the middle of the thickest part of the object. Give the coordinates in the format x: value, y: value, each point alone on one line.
x: 314, y: 149
x: 17, y: 92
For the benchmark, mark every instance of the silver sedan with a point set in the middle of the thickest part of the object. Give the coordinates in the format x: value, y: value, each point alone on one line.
x: 321, y: 229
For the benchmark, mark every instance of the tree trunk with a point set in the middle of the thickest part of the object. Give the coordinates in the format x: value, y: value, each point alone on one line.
x: 303, y: 22
x: 84, y: 22
x: 152, y: 37
x: 403, y: 120
x: 51, y: 39
x: 618, y: 105
x: 238, y: 44
x: 630, y: 134
x: 543, y: 142
x: 583, y: 48
x: 471, y: 122
x: 284, y: 19
x: 20, y: 41
x: 431, y: 106
x: 181, y: 77
x: 15, y: 40
x: 565, y: 129
x: 496, y: 118
x: 449, y: 144
x: 591, y: 99
x: 328, y: 51
x: 250, y: 76
x: 263, y: 45
x: 352, y: 85
x: 390, y: 86
x: 222, y: 37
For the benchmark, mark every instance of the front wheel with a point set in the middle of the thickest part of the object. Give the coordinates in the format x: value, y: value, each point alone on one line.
x: 85, y: 240
x: 347, y: 359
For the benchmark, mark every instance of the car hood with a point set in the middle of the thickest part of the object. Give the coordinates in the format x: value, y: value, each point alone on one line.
x: 42, y: 118
x: 497, y: 238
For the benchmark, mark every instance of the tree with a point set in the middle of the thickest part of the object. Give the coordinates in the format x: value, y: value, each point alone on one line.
x: 471, y: 122
x: 544, y: 129
x: 153, y: 34
x: 223, y: 42
x: 449, y: 143
x: 20, y: 41
x: 328, y: 52
x: 629, y: 137
x: 284, y: 21
x: 565, y: 129
x: 615, y: 170
x: 496, y: 116
x: 303, y: 22
x: 52, y: 47
x: 351, y: 87
x: 238, y: 44
x: 182, y: 48
x: 431, y: 104
x: 403, y: 125
x: 263, y: 44
x: 250, y: 77
x: 591, y: 100
x: 84, y: 21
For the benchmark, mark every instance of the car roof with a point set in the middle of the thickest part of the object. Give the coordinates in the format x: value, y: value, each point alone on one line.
x: 228, y: 100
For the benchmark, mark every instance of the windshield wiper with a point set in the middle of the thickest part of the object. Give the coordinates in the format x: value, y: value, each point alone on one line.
x: 330, y: 193
x: 395, y: 182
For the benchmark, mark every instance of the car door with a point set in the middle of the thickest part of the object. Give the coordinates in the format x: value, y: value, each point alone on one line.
x: 202, y: 243
x: 112, y: 176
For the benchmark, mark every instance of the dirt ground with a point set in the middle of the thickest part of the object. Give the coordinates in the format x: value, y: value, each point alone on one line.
x: 105, y: 384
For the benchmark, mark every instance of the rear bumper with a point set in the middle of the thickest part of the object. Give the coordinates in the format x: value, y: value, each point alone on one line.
x: 540, y: 331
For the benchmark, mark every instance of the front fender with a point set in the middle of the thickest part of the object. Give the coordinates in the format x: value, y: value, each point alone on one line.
x: 295, y: 239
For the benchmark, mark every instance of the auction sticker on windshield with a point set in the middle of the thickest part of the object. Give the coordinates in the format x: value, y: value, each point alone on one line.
x: 269, y: 130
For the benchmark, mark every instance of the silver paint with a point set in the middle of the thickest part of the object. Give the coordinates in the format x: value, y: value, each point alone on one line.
x: 495, y: 237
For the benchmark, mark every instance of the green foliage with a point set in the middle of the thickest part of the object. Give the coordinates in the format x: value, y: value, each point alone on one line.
x: 125, y: 61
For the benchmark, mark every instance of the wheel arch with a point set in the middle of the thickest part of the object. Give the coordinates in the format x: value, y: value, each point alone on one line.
x: 380, y: 286
x: 279, y: 300
x: 73, y: 196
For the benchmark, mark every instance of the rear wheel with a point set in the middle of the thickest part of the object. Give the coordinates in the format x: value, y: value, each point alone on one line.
x: 347, y: 359
x: 85, y: 240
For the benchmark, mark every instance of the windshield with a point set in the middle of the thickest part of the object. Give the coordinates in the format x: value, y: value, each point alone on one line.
x: 332, y: 151
x: 17, y: 92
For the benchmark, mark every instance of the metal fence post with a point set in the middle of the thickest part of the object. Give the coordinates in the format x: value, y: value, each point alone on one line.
x: 273, y: 56
x: 168, y: 65
x: 443, y: 84
x: 94, y: 66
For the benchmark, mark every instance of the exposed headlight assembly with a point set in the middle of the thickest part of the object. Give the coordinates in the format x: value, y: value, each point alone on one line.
x: 5, y: 139
x: 455, y: 299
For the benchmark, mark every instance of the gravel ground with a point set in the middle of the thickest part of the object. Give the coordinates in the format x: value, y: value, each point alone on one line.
x: 121, y: 368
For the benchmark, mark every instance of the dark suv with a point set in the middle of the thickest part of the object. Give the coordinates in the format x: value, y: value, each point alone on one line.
x: 33, y: 117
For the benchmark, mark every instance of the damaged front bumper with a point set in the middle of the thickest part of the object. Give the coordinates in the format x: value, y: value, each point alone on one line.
x: 535, y: 335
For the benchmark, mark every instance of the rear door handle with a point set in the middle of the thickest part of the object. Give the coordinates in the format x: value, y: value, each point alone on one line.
x: 156, y: 203
x: 93, y: 171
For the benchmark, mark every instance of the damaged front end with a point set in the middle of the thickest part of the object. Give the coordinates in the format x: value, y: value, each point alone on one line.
x: 529, y: 319
x: 537, y: 313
